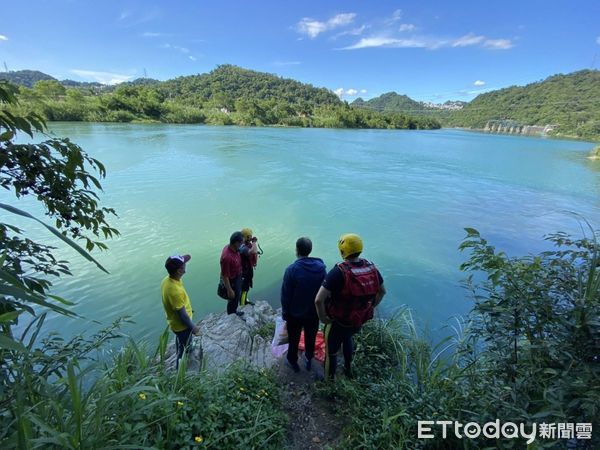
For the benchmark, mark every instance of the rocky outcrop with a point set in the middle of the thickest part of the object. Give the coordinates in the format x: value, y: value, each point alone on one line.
x: 228, y: 339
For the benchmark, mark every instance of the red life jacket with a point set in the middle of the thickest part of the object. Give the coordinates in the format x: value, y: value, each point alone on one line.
x: 353, y: 306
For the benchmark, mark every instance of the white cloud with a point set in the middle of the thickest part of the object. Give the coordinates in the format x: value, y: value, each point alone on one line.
x: 286, y: 63
x: 431, y: 42
x: 498, y: 44
x: 102, y: 77
x: 396, y: 16
x: 353, y: 32
x: 363, y: 91
x: 3, y: 38
x: 176, y: 47
x: 341, y: 20
x: 341, y: 92
x: 312, y: 28
x: 193, y: 58
x: 150, y: 34
x: 129, y: 19
x: 407, y: 27
x: 479, y: 83
x: 597, y: 40
x: 467, y: 40
x: 371, y: 42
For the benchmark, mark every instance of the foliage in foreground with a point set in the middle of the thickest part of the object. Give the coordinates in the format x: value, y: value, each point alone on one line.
x: 64, y: 180
x: 60, y: 398
x: 527, y: 354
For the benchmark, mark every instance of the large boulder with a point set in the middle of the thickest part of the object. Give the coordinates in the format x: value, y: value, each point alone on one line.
x: 227, y: 339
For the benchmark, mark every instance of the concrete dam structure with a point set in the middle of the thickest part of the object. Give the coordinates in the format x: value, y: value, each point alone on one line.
x: 514, y: 127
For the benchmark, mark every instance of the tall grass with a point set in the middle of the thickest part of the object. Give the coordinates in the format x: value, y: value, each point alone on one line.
x: 527, y: 353
x: 132, y: 401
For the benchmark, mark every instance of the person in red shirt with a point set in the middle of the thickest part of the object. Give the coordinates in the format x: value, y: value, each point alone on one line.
x: 231, y: 272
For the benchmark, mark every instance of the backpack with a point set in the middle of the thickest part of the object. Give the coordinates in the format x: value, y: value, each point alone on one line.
x: 354, y: 305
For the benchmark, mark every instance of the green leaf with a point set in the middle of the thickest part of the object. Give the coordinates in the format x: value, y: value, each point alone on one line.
x: 9, y: 316
x: 54, y: 231
x: 11, y: 344
x: 472, y: 232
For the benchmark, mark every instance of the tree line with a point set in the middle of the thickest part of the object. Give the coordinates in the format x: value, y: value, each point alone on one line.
x: 228, y: 95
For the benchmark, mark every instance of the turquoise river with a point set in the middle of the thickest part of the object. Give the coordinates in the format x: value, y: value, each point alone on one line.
x: 409, y: 194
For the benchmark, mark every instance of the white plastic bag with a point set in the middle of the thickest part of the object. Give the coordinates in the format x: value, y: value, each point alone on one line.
x: 279, y: 345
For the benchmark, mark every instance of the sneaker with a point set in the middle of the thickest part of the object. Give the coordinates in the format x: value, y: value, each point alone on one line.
x: 307, y: 363
x: 240, y: 313
x: 293, y: 365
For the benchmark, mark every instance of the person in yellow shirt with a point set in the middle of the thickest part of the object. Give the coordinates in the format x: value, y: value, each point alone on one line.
x: 177, y: 303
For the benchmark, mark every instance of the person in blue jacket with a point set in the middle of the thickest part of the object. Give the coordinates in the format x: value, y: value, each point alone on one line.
x: 301, y: 282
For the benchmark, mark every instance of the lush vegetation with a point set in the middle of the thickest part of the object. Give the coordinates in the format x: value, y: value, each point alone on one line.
x: 569, y: 101
x: 25, y: 78
x: 228, y: 95
x: 392, y: 102
x: 527, y: 353
x: 57, y: 394
x: 61, y: 397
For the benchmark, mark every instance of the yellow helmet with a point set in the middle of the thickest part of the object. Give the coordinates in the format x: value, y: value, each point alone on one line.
x: 350, y: 244
x: 247, y: 233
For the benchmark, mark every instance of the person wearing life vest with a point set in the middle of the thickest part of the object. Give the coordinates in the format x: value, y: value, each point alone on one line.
x: 346, y: 300
x: 249, y: 255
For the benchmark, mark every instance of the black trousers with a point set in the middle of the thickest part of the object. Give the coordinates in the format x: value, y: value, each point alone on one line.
x: 236, y: 285
x: 337, y: 336
x: 182, y: 341
x: 294, y: 328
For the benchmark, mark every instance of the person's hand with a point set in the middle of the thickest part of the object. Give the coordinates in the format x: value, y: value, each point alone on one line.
x: 230, y: 294
x: 326, y: 320
x: 196, y: 331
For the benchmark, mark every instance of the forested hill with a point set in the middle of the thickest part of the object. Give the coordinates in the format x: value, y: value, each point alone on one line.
x: 391, y: 102
x: 25, y: 77
x: 227, y: 95
x: 572, y: 102
x: 229, y: 83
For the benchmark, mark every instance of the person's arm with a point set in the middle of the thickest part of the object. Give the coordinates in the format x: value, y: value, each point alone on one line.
x: 230, y: 291
x: 380, y: 293
x: 322, y: 295
x: 185, y: 319
x: 285, y: 294
x: 253, y: 250
x: 225, y: 277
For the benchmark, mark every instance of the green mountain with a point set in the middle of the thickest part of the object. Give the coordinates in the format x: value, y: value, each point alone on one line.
x: 25, y: 77
x: 227, y: 83
x: 228, y: 95
x: 392, y: 102
x: 570, y: 102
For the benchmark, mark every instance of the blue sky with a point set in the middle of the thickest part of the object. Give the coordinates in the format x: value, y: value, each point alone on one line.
x: 429, y: 50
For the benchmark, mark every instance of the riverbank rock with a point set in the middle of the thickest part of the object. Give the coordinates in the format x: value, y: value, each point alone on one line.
x: 227, y: 339
x: 595, y: 153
